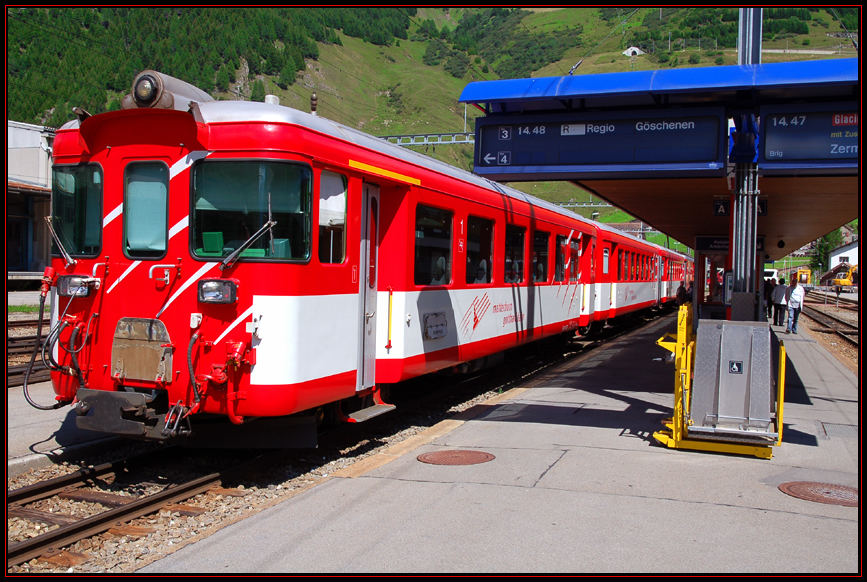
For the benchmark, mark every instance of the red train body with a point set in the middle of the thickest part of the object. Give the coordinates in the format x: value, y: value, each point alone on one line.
x: 246, y: 260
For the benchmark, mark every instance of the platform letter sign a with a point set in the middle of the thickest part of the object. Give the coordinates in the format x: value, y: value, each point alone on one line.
x: 721, y: 207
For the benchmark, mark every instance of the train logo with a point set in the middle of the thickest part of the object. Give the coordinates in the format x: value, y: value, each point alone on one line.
x: 474, y: 315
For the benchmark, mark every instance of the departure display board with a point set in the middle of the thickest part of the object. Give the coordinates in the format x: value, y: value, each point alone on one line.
x: 809, y: 138
x: 677, y: 142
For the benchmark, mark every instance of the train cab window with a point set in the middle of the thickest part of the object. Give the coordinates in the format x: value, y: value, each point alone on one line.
x: 540, y: 256
x: 480, y: 247
x: 332, y: 217
x: 145, y: 210
x: 559, y: 259
x: 234, y: 200
x: 514, y: 257
x: 76, y: 208
x: 433, y: 246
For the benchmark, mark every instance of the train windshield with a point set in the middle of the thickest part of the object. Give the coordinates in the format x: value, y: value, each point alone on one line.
x: 234, y: 199
x: 76, y: 208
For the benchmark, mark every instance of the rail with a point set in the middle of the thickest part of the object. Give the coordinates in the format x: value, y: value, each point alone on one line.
x: 842, y: 328
x: 21, y: 346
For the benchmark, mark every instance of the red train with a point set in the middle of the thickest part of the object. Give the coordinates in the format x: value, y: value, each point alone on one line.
x: 244, y: 260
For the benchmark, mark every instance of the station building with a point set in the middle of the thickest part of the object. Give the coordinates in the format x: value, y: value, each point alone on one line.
x: 28, y: 199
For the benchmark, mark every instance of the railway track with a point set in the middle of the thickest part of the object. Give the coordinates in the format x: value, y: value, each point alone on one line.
x: 19, y: 323
x: 19, y: 347
x: 115, y: 489
x: 834, y: 324
x: 829, y: 298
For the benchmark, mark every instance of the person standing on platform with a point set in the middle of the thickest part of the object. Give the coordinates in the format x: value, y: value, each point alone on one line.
x: 778, y: 297
x: 794, y: 302
x: 681, y: 294
x: 770, y: 285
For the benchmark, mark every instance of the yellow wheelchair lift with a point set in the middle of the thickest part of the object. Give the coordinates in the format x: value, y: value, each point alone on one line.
x: 676, y: 435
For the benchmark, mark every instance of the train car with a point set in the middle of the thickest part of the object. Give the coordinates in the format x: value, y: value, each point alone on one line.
x: 238, y: 261
x: 633, y: 274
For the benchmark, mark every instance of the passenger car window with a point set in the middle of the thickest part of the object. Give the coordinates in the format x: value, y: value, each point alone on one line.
x: 540, y: 256
x: 480, y: 245
x: 332, y: 217
x: 433, y: 246
x: 514, y: 258
x: 559, y: 259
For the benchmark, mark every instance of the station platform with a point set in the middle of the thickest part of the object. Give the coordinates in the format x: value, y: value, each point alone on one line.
x: 577, y: 484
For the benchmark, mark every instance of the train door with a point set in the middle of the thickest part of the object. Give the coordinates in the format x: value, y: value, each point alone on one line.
x: 660, y: 290
x: 605, y: 285
x: 590, y: 264
x: 367, y: 300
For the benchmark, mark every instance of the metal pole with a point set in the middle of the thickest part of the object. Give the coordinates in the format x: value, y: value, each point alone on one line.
x: 749, y: 36
x: 745, y: 215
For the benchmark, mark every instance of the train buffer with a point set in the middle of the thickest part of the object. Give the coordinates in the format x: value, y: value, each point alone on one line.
x: 723, y: 383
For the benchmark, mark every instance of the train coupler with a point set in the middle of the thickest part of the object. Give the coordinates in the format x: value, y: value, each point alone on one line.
x: 127, y: 414
x: 176, y: 421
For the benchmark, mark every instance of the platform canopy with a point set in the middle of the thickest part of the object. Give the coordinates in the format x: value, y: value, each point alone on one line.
x: 806, y: 118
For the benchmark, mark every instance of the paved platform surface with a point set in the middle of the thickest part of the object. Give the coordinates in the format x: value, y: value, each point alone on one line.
x: 577, y: 484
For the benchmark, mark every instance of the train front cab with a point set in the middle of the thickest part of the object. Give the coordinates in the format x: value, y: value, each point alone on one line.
x: 183, y: 308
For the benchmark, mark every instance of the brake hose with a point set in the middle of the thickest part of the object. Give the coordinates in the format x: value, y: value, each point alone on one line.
x: 33, y: 359
x: 190, y: 366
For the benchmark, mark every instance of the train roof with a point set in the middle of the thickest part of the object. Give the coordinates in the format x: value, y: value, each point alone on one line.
x: 213, y: 112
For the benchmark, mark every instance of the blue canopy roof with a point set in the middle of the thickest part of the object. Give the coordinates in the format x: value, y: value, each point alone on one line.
x: 772, y: 82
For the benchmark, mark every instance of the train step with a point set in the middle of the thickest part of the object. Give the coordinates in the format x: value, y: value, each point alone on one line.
x: 370, y: 412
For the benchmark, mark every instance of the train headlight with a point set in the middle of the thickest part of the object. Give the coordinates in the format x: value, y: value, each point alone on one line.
x: 145, y: 89
x: 218, y: 291
x: 73, y: 286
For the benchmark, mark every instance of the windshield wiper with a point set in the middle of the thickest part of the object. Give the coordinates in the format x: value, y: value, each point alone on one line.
x: 230, y: 260
x: 66, y: 256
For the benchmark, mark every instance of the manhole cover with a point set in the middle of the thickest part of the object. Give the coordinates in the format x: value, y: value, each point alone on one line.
x: 456, y: 457
x: 821, y: 492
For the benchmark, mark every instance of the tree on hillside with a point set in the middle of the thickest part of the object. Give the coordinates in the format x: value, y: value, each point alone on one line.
x: 258, y: 91
x: 820, y: 263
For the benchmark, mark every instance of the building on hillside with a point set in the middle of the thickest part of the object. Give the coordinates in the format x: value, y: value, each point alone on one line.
x: 849, y: 234
x: 28, y: 199
x: 844, y: 254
